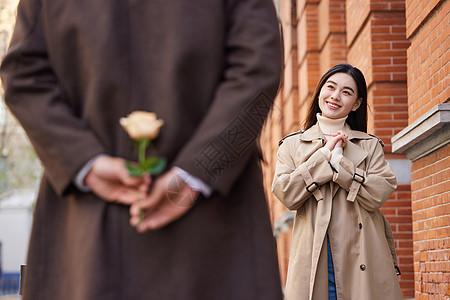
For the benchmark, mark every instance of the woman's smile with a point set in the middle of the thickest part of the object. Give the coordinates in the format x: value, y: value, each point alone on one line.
x: 332, y: 105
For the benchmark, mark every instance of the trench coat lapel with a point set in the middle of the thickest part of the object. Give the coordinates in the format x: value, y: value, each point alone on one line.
x: 314, y: 138
x: 352, y: 151
x: 313, y: 134
x: 355, y: 153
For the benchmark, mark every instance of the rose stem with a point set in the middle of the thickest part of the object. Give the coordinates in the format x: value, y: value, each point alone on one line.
x: 141, y: 211
x: 142, y: 147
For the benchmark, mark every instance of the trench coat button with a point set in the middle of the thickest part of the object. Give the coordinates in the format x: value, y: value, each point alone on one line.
x: 362, y: 267
x: 360, y: 225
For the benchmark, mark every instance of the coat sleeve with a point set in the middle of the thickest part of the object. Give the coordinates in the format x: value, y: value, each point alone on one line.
x: 370, y: 187
x: 292, y: 184
x: 63, y: 142
x: 226, y: 139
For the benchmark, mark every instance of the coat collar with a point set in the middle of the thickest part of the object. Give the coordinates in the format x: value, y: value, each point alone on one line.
x: 352, y: 151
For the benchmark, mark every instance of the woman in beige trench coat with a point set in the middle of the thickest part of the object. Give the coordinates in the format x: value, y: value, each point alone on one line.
x: 337, y: 181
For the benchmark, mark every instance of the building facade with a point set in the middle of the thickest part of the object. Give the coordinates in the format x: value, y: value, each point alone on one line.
x: 402, y: 49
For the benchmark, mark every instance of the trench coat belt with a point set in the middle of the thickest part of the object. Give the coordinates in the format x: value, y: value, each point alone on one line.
x: 311, y: 185
x: 358, y: 179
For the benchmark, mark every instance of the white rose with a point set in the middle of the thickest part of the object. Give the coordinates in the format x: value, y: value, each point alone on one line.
x: 142, y: 124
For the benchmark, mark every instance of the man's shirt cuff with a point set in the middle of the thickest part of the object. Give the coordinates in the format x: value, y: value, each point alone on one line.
x: 81, y: 175
x: 194, y: 182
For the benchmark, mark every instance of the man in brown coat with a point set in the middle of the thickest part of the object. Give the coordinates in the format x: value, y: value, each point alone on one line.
x: 210, y: 70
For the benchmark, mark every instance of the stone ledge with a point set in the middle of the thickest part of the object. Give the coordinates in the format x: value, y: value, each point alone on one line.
x: 427, y: 134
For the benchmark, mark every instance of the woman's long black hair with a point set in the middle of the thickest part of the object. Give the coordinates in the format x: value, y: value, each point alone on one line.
x: 357, y: 120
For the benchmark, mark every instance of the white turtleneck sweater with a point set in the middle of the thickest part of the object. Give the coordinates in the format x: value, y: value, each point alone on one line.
x: 330, y: 127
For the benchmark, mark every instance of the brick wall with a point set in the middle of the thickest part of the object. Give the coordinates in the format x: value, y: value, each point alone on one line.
x: 431, y: 216
x: 427, y: 24
x: 428, y: 68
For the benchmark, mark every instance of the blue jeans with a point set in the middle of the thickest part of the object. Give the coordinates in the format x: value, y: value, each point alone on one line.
x: 331, y: 282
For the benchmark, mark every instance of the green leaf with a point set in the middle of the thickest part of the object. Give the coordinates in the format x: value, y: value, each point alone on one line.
x: 135, y: 171
x: 157, y: 167
x: 150, y: 162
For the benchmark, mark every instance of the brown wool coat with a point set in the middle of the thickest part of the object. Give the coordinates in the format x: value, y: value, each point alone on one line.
x: 210, y: 70
x: 359, y: 235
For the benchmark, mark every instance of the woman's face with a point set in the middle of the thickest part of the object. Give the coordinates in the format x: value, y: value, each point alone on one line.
x: 338, y: 96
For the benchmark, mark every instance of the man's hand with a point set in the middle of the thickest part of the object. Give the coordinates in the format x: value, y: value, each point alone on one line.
x: 169, y: 199
x: 110, y: 180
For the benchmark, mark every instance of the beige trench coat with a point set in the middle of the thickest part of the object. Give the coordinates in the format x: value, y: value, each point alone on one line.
x: 346, y: 208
